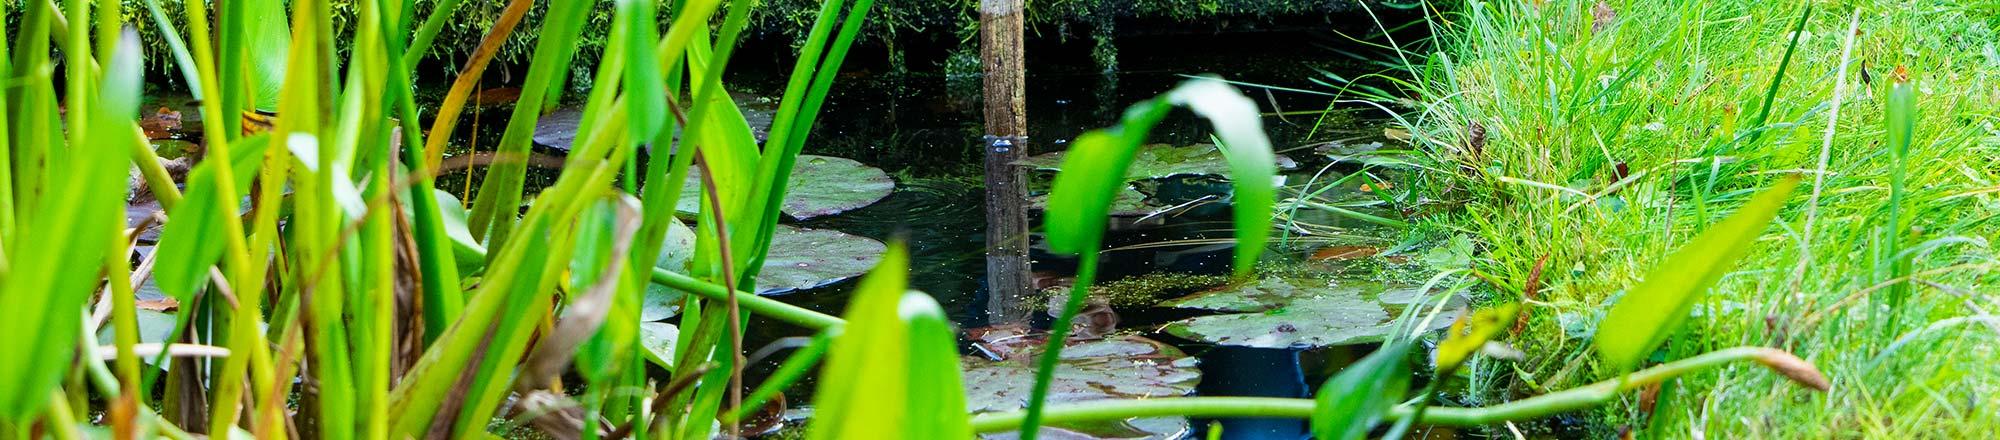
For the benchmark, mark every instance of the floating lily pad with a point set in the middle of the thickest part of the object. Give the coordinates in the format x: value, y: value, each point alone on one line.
x: 1301, y: 313
x: 820, y: 186
x: 1155, y: 161
x: 1128, y: 203
x: 803, y: 258
x: 658, y: 338
x: 662, y: 302
x: 1116, y: 367
x: 558, y: 128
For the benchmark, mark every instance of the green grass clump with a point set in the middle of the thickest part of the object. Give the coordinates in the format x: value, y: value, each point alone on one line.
x: 1605, y: 136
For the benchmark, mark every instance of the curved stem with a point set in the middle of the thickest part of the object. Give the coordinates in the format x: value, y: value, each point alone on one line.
x: 1270, y: 407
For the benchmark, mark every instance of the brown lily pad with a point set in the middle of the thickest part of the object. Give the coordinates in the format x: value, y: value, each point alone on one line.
x: 1122, y: 366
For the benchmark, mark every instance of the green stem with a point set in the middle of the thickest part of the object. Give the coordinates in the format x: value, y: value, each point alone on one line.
x: 748, y: 301
x: 1045, y: 370
x: 1270, y: 407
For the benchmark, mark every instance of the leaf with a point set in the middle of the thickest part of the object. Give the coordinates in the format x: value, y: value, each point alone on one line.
x: 191, y: 241
x: 892, y: 373
x: 1117, y: 367
x: 645, y: 93
x: 1156, y: 161
x: 1354, y: 401
x: 658, y: 338
x: 64, y: 244
x: 820, y: 186
x: 269, y: 43
x: 1656, y: 307
x: 802, y: 258
x: 1097, y: 162
x: 1300, y: 313
x: 1470, y: 332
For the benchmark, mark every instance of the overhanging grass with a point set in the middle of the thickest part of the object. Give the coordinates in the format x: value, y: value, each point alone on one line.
x: 1671, y: 94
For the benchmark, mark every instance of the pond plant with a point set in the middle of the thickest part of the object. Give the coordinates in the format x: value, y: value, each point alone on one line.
x: 322, y: 287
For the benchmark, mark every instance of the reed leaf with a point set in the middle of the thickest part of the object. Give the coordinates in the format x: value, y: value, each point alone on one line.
x: 1655, y: 308
x: 55, y: 269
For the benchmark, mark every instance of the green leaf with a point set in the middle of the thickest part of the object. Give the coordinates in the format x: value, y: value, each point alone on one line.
x: 1655, y: 309
x: 893, y: 372
x: 191, y: 241
x: 1354, y: 401
x: 645, y: 93
x: 1097, y: 163
x: 269, y: 44
x: 56, y: 268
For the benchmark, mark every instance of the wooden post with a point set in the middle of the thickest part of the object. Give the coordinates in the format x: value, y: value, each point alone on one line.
x: 1007, y: 271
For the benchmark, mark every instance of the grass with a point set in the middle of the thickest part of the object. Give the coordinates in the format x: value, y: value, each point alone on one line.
x: 1603, y: 137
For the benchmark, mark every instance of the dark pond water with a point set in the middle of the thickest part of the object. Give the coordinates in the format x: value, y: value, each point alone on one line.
x: 923, y: 127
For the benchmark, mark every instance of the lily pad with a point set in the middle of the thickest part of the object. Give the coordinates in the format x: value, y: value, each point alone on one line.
x: 1117, y: 367
x: 662, y: 302
x: 1128, y: 203
x: 820, y: 186
x: 804, y: 258
x: 658, y: 338
x: 1154, y: 161
x: 558, y: 128
x: 1286, y: 313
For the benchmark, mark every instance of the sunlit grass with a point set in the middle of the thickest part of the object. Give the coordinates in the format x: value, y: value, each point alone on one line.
x: 1606, y: 148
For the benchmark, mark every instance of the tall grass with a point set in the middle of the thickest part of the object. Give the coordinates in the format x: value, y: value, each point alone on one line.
x: 1877, y: 275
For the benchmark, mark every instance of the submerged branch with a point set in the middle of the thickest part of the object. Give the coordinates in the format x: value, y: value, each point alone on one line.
x: 1539, y: 406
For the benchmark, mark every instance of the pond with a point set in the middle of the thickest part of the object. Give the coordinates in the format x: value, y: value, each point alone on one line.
x: 922, y: 127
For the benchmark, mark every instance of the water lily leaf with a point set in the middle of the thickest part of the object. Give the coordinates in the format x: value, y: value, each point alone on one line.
x: 1655, y: 308
x: 820, y: 186
x: 1300, y: 313
x: 1128, y: 203
x: 803, y: 258
x: 558, y: 128
x: 662, y: 302
x: 1155, y: 161
x: 658, y: 338
x: 1116, y: 367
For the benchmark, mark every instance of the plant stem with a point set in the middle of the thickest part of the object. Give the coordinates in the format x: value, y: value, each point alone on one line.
x: 1270, y: 407
x: 751, y: 302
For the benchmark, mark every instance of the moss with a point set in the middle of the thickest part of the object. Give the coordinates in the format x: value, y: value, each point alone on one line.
x: 1144, y: 290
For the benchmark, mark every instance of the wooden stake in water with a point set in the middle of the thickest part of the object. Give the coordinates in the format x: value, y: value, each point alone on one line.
x: 1005, y: 144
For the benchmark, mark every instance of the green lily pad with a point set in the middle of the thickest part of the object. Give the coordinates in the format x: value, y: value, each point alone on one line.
x: 662, y: 302
x: 1116, y: 367
x: 557, y: 129
x: 1128, y: 203
x: 658, y: 338
x: 1301, y: 313
x: 820, y: 186
x: 1154, y: 161
x: 803, y: 258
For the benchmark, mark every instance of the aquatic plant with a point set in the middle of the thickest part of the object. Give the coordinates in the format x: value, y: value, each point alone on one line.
x: 354, y: 300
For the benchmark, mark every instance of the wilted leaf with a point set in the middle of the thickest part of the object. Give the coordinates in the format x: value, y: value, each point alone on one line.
x: 1469, y: 333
